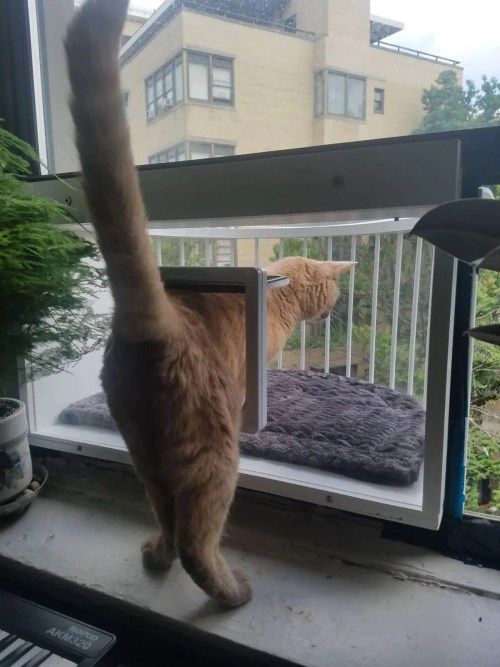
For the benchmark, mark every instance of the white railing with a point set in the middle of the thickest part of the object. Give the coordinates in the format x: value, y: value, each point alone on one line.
x: 368, y: 241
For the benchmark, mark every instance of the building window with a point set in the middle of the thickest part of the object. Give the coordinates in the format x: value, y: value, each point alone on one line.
x: 319, y: 93
x: 291, y: 23
x: 210, y: 78
x: 345, y: 95
x: 379, y: 100
x: 192, y: 150
x: 164, y: 88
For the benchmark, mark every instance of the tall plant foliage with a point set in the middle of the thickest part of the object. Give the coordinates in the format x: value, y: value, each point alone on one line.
x: 48, y: 275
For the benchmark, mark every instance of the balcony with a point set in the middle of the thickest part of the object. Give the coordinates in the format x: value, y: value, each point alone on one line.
x: 414, y: 53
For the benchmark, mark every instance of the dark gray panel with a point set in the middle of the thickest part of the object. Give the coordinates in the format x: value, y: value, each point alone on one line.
x: 375, y: 177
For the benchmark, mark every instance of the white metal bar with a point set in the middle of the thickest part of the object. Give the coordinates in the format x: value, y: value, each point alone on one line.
x: 427, y: 344
x: 208, y: 257
x: 373, y: 324
x: 414, y: 316
x: 41, y: 135
x: 395, y: 311
x: 281, y: 254
x: 350, y: 306
x: 303, y: 324
x: 328, y: 327
x: 282, y: 230
x: 234, y: 253
x: 257, y: 252
x: 157, y: 242
x: 182, y: 252
x: 281, y: 249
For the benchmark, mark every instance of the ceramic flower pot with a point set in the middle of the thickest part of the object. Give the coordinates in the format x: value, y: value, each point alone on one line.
x: 16, y: 470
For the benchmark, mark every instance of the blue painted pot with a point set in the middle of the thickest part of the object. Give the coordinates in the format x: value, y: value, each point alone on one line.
x: 16, y: 471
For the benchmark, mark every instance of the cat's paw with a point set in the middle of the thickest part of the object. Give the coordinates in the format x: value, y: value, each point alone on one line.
x: 155, y: 555
x: 243, y: 591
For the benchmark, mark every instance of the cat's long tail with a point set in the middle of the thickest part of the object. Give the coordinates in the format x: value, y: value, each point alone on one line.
x: 142, y: 309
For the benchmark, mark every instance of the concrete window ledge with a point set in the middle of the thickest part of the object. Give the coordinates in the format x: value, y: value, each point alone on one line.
x: 327, y: 589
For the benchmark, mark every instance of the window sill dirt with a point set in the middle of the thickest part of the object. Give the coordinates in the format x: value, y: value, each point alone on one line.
x: 324, y: 585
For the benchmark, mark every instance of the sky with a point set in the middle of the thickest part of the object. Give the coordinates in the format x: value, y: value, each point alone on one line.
x: 465, y: 30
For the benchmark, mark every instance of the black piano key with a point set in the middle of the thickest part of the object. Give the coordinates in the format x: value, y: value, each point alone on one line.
x: 38, y: 659
x: 18, y: 653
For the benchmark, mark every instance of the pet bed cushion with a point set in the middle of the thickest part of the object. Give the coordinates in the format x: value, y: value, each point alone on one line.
x: 348, y: 426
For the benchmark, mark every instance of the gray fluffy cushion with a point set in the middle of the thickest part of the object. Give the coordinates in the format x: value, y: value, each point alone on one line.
x: 348, y: 426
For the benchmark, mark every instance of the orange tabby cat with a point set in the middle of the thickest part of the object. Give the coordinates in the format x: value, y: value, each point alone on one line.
x: 174, y: 366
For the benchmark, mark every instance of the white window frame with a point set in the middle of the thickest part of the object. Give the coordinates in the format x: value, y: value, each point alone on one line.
x: 267, y: 191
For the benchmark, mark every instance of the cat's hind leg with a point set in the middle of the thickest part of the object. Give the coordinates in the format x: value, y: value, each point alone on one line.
x: 201, y: 513
x: 158, y: 552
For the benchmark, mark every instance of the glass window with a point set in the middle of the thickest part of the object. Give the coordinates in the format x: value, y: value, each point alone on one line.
x: 222, y: 69
x: 319, y: 95
x: 379, y: 100
x: 162, y: 91
x: 346, y: 95
x: 355, y: 97
x: 336, y: 93
x: 223, y: 150
x: 169, y: 85
x: 198, y: 76
x: 200, y: 150
x: 178, y: 78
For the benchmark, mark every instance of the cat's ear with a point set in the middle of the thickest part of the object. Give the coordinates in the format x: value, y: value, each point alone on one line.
x: 341, y: 267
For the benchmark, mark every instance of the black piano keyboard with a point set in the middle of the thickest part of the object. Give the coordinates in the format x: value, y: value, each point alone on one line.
x: 33, y: 636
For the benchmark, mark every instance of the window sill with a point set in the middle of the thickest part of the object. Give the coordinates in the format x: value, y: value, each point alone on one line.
x: 323, y: 584
x: 331, y: 116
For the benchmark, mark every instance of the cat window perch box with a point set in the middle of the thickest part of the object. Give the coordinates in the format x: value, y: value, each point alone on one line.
x: 253, y: 283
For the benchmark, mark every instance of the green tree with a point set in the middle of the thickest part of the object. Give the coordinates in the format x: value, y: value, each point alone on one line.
x: 48, y: 275
x: 449, y: 106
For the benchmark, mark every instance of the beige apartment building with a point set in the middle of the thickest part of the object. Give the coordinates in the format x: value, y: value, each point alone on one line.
x: 216, y: 77
x: 210, y: 78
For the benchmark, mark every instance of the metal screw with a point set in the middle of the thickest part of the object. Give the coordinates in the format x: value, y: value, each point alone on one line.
x: 68, y: 201
x: 329, y: 499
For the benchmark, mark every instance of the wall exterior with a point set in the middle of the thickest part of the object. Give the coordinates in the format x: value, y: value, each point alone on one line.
x: 274, y: 73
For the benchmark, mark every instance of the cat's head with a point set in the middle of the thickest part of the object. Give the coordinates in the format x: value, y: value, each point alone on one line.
x: 313, y: 284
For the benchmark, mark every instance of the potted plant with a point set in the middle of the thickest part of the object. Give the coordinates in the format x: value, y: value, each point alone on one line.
x: 48, y: 276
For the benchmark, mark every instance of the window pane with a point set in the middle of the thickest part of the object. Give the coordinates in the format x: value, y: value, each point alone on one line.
x: 221, y: 79
x: 222, y: 150
x: 153, y: 159
x: 169, y: 85
x: 355, y: 97
x: 181, y: 153
x: 150, y: 93
x: 199, y: 150
x: 179, y: 83
x: 158, y: 84
x: 378, y: 100
x: 318, y: 93
x: 198, y: 76
x: 336, y: 93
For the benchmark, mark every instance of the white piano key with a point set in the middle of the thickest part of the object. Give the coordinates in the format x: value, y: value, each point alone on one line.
x: 3, y: 634
x: 38, y: 658
x: 17, y: 654
x: 22, y: 662
x: 11, y: 647
x: 56, y: 661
